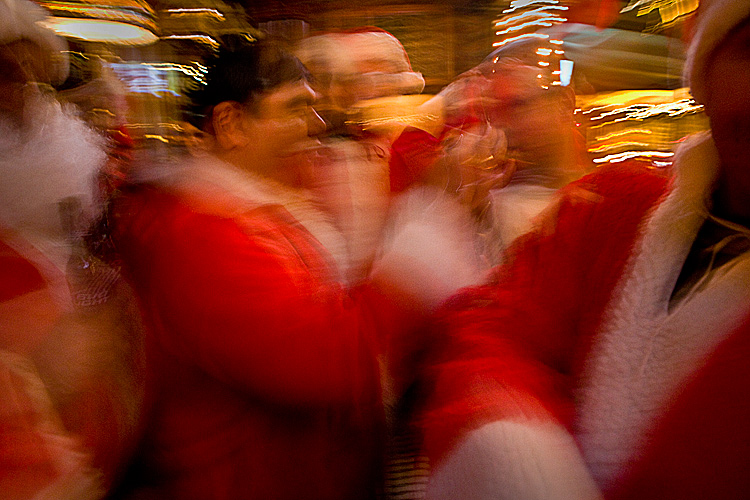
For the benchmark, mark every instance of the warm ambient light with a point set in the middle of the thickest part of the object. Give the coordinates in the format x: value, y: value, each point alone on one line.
x: 96, y: 30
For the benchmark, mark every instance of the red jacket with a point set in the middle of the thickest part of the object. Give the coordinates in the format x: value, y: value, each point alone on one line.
x: 264, y: 376
x: 536, y: 336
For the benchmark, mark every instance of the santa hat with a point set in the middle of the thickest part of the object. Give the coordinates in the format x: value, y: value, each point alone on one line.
x: 347, y: 52
x: 374, y: 44
x: 20, y: 20
x: 715, y: 20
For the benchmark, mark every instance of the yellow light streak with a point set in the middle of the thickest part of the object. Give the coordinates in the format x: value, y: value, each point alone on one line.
x: 617, y: 145
x: 199, y: 38
x: 520, y: 37
x: 197, y: 12
x: 633, y: 154
x: 620, y: 133
x: 512, y: 19
x: 545, y: 21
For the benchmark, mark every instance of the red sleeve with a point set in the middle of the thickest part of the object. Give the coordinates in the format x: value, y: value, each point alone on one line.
x: 248, y: 310
x: 412, y: 155
x: 511, y: 348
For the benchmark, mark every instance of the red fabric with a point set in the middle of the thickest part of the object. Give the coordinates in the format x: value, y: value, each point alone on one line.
x: 17, y: 275
x: 500, y: 351
x: 28, y: 308
x: 116, y: 170
x: 27, y: 462
x: 412, y: 155
x: 506, y: 348
x: 701, y: 448
x: 264, y: 375
x: 31, y: 439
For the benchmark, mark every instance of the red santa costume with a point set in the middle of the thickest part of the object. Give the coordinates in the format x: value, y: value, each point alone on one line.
x: 581, y: 334
x: 69, y: 398
x: 351, y: 68
x: 263, y: 368
x: 609, y: 356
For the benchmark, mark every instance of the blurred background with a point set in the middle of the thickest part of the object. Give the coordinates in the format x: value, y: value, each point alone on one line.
x: 135, y: 61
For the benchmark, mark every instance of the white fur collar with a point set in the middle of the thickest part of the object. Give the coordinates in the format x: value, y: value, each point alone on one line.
x: 214, y: 178
x: 644, y: 351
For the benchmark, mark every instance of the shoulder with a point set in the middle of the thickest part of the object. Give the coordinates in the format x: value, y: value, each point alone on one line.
x: 148, y: 210
x: 624, y: 180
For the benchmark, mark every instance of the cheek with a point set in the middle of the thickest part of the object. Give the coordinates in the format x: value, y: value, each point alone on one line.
x: 287, y: 131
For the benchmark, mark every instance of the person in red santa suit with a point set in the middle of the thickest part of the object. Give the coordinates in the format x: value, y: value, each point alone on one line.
x: 264, y: 370
x: 608, y: 357
x: 69, y: 398
x: 366, y: 87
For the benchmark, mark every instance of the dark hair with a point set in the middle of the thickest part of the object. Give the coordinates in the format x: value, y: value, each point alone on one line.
x: 241, y: 70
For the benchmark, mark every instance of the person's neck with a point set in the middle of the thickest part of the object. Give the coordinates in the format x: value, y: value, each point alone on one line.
x: 731, y: 201
x: 731, y: 196
x: 260, y: 166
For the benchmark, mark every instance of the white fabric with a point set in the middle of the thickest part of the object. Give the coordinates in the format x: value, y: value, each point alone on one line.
x: 430, y: 247
x: 53, y: 156
x: 514, y: 461
x: 645, y: 351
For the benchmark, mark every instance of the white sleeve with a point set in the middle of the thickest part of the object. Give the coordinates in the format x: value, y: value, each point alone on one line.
x: 429, y: 248
x: 514, y: 461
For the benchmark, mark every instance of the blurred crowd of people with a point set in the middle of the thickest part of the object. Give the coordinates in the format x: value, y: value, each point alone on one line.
x: 340, y: 274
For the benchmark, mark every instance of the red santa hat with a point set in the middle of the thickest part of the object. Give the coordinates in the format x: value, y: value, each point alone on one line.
x: 715, y: 20
x: 376, y: 47
x: 375, y: 55
x: 21, y: 20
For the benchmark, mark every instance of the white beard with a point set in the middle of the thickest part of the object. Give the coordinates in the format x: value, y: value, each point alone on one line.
x: 53, y: 156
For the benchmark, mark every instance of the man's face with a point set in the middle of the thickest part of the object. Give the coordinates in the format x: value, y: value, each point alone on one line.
x: 285, y: 122
x: 535, y: 120
x: 728, y: 102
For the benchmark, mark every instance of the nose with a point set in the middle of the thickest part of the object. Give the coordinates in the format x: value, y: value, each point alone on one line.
x: 315, y: 124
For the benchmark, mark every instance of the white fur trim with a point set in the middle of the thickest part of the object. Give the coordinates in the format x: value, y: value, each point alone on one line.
x: 514, y: 461
x: 54, y: 156
x: 645, y: 350
x: 208, y: 174
x: 19, y: 19
x: 716, y: 18
x: 513, y: 209
x: 340, y: 55
x: 429, y: 249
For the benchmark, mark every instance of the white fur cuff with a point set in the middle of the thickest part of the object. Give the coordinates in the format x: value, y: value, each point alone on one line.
x: 514, y: 461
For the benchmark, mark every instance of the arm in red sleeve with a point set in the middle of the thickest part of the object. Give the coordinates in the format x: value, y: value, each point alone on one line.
x: 511, y: 350
x: 412, y: 155
x: 248, y: 310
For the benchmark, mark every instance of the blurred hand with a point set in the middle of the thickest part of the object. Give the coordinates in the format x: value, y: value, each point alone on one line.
x: 475, y: 161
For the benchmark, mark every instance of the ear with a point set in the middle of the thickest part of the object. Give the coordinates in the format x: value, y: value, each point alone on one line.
x: 228, y: 124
